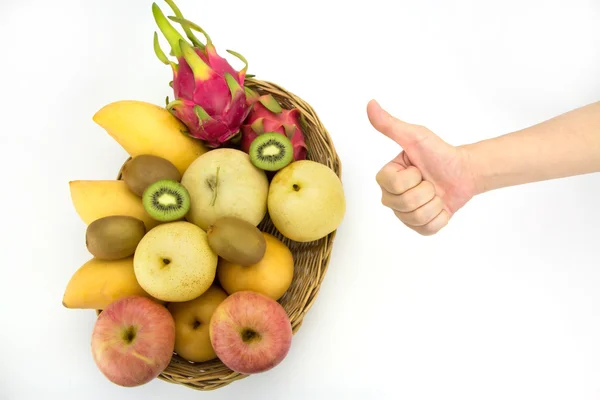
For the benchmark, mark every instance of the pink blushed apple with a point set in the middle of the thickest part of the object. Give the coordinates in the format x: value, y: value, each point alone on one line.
x: 250, y: 332
x: 133, y: 340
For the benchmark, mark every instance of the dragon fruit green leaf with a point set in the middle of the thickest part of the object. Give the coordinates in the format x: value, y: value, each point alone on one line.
x: 258, y: 127
x: 186, y: 28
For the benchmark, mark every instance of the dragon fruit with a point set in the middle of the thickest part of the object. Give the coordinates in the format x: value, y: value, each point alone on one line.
x: 210, y: 98
x: 267, y: 115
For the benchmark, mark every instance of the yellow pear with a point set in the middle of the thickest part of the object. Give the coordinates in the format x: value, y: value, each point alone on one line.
x: 306, y: 201
x: 97, y: 283
x: 95, y: 199
x: 174, y: 262
x: 225, y: 183
x: 145, y: 128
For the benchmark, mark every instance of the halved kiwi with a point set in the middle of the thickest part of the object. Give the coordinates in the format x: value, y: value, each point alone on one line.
x: 271, y: 151
x: 166, y: 200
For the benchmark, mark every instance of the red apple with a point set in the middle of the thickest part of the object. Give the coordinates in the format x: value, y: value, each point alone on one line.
x: 133, y: 340
x: 250, y: 332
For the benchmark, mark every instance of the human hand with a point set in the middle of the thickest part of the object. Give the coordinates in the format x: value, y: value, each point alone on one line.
x: 428, y: 181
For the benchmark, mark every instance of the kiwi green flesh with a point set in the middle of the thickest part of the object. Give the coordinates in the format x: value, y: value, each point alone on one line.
x: 166, y: 200
x: 271, y: 151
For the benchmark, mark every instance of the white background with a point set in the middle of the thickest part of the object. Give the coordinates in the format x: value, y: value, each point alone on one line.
x: 502, y: 304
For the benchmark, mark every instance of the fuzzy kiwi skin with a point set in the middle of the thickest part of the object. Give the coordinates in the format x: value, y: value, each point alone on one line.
x: 114, y: 237
x: 143, y: 170
x: 237, y: 241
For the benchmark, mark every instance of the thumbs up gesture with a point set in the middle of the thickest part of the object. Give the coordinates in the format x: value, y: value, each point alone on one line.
x: 428, y: 181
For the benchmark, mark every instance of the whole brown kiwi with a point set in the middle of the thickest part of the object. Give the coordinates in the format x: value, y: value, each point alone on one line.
x: 114, y: 237
x: 236, y: 241
x: 143, y: 170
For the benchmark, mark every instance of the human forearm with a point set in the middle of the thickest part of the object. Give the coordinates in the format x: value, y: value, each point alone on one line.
x: 566, y: 145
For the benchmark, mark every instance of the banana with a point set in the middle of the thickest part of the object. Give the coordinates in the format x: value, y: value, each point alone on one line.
x: 97, y: 283
x: 145, y: 128
x: 94, y: 199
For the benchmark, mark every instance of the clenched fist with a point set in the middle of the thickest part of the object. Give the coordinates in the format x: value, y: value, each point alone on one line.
x: 428, y: 181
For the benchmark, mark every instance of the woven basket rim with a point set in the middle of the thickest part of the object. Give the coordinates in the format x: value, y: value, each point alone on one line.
x: 213, y: 374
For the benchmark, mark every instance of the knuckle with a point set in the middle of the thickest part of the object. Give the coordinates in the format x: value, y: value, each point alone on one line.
x: 421, y: 230
x: 383, y: 172
x: 421, y: 128
x: 428, y: 232
x: 385, y: 178
x: 409, y: 203
x: 428, y: 188
x: 414, y: 199
x: 384, y: 200
x: 437, y: 224
x: 396, y: 186
x: 400, y: 216
x: 414, y: 174
x: 379, y: 177
x: 420, y: 216
x: 428, y: 229
x: 405, y: 180
x: 427, y: 194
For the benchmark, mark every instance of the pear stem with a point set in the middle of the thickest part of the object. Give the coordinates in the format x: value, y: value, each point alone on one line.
x: 215, y: 188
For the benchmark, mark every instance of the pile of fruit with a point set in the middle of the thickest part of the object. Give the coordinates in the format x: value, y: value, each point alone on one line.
x: 178, y: 262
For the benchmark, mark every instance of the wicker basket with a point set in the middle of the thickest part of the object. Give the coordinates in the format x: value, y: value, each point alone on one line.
x: 310, y: 259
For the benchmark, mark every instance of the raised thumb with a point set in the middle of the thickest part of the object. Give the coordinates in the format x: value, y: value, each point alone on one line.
x: 401, y: 132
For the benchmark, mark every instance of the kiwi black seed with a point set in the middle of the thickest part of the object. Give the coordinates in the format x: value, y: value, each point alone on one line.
x: 166, y: 200
x: 271, y: 151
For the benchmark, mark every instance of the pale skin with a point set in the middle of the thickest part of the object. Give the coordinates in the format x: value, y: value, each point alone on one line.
x: 430, y: 180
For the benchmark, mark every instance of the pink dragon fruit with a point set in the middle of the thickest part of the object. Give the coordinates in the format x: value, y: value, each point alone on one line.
x: 210, y: 99
x: 267, y: 115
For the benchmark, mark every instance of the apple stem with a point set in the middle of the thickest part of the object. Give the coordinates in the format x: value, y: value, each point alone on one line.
x: 249, y: 335
x: 129, y: 334
x: 215, y: 188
